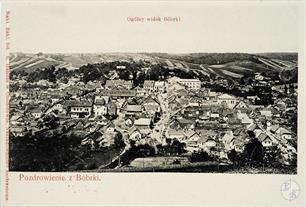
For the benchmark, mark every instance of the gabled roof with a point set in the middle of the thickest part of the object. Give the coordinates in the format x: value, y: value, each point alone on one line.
x: 150, y: 99
x: 240, y: 104
x: 131, y: 118
x: 190, y: 133
x: 245, y: 118
x: 132, y: 130
x: 263, y: 136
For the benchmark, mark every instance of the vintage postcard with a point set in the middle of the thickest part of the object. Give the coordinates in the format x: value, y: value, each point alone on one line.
x: 143, y: 103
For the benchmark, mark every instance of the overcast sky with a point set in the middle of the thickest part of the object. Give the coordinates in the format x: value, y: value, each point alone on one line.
x: 103, y: 27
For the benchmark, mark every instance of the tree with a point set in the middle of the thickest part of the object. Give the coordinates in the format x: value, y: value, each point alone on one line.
x: 212, y: 76
x: 44, y: 151
x: 285, y: 89
x: 124, y: 74
x: 62, y: 73
x: 51, y: 121
x: 102, y: 80
x: 90, y: 73
x: 251, y: 134
x: 254, y: 152
x: 272, y: 156
x: 119, y: 142
x: 291, y: 89
x: 201, y: 156
x: 65, y: 80
x: 160, y: 149
x: 234, y: 156
x: 250, y: 81
x: 178, y: 147
x: 43, y: 74
x: 50, y: 75
x: 139, y: 78
x: 22, y: 73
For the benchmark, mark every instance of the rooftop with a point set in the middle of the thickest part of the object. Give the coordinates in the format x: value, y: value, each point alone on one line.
x: 159, y: 83
x: 134, y: 108
x: 100, y: 101
x: 189, y: 80
x: 226, y: 96
x: 127, y: 93
x: 148, y: 83
x: 80, y: 104
x: 142, y: 122
x: 117, y: 82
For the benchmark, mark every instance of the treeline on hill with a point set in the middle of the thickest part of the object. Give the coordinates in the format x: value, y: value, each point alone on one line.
x: 50, y: 74
x: 102, y: 71
x: 222, y: 58
x: 282, y: 56
x: 210, y: 58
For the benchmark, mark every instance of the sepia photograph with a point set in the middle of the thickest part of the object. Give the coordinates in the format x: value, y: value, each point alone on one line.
x: 154, y: 112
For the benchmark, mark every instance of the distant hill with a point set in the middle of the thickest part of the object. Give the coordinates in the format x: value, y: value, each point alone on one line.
x: 225, y: 65
x: 281, y: 56
x: 236, y: 65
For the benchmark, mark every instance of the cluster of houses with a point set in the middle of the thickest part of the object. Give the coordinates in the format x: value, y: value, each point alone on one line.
x: 203, y: 119
x: 139, y: 117
x: 218, y: 123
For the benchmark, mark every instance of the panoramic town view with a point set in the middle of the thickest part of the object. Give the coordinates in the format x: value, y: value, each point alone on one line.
x: 154, y: 112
